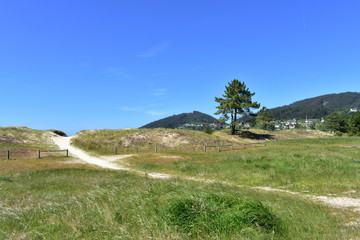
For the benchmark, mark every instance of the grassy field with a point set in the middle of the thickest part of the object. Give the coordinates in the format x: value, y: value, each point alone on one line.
x: 24, y: 144
x: 312, y: 162
x: 61, y: 198
x: 98, y: 204
x: 314, y: 166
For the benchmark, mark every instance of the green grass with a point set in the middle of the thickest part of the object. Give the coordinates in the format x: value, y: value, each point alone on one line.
x: 317, y: 166
x: 24, y: 144
x: 211, y: 214
x: 89, y: 204
x: 17, y: 137
x: 40, y: 199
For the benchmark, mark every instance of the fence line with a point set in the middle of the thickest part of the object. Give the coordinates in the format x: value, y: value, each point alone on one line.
x: 204, y: 148
x: 42, y: 151
x: 7, y: 154
x: 14, y: 152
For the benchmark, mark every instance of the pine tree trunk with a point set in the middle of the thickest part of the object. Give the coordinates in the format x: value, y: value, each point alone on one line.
x: 233, y: 123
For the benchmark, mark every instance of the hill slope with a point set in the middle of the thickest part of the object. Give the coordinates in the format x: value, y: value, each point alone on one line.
x: 318, y: 107
x: 104, y: 141
x: 181, y: 119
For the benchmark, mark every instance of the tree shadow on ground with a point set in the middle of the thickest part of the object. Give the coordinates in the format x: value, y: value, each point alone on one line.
x: 251, y: 135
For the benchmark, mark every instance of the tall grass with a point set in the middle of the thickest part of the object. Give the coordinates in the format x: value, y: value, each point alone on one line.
x: 170, y: 140
x: 17, y: 137
x: 88, y: 204
x: 318, y: 166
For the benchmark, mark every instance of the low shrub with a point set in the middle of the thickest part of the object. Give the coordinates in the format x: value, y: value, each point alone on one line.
x: 338, y: 133
x: 205, y: 215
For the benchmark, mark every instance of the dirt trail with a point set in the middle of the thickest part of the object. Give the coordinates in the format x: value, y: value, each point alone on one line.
x: 64, y: 143
x: 106, y: 162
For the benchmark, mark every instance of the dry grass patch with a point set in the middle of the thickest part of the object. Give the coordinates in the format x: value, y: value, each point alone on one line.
x: 105, y: 141
x: 18, y: 166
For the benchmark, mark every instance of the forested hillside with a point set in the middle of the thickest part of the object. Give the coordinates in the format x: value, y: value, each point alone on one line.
x: 181, y: 119
x: 318, y: 107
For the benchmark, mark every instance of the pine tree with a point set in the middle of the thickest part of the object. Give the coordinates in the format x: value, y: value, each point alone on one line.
x: 236, y: 100
x: 265, y: 119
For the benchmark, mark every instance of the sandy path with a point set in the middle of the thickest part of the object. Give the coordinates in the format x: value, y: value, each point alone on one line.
x: 64, y: 143
x: 106, y: 162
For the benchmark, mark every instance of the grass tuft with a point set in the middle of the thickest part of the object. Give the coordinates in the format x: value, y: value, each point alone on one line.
x: 210, y: 214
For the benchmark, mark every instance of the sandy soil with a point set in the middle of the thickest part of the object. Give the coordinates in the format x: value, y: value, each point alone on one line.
x: 64, y: 143
x: 103, y: 161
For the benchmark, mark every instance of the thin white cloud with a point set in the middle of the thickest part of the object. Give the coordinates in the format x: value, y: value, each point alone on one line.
x: 158, y: 92
x: 155, y: 50
x: 130, y: 109
x: 141, y: 110
x: 155, y: 113
x: 117, y: 72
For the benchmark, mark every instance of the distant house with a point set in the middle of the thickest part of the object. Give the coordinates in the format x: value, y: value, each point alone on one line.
x: 353, y: 110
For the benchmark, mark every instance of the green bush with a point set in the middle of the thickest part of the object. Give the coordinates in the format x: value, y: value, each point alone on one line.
x: 208, y: 130
x: 338, y: 133
x: 204, y: 215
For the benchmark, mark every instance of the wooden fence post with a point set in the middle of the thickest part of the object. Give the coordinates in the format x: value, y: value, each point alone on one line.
x: 156, y: 149
x: 218, y: 148
x: 67, y: 152
x: 39, y: 154
x: 8, y: 154
x: 231, y: 147
x: 116, y: 150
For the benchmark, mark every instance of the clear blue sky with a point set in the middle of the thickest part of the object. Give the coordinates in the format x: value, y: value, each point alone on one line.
x: 74, y: 65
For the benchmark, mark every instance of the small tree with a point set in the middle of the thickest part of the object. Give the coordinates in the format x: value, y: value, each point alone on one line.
x: 208, y: 129
x: 336, y: 122
x: 236, y: 100
x: 265, y: 119
x: 354, y: 125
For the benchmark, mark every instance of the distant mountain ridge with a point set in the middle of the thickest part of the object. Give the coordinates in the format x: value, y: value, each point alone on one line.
x: 318, y: 107
x: 179, y: 120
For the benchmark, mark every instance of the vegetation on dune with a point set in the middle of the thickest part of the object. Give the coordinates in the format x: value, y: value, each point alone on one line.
x: 40, y: 199
x: 105, y: 141
x: 23, y: 144
x: 23, y: 136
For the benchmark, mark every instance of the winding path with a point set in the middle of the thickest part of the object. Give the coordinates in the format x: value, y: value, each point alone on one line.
x: 105, y: 162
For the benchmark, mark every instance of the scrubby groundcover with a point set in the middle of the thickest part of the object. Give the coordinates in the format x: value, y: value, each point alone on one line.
x: 205, y: 215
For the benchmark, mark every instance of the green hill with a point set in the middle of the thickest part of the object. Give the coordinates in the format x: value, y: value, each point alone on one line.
x: 318, y: 107
x: 180, y: 120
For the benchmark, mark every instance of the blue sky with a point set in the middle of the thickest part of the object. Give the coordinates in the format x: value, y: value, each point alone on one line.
x: 74, y: 65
